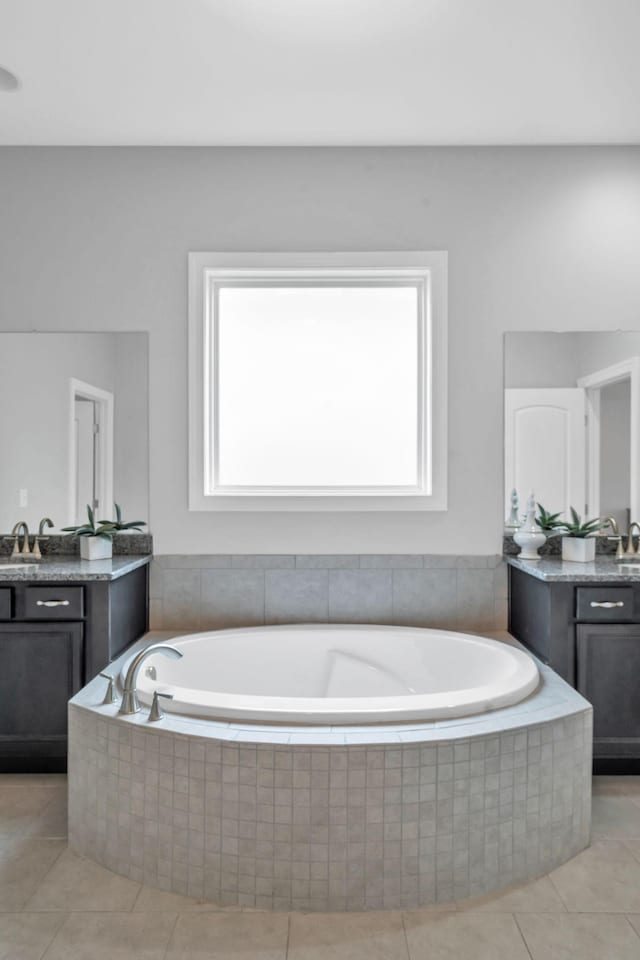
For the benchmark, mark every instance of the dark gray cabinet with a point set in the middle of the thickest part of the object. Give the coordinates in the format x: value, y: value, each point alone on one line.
x: 54, y: 637
x: 589, y: 633
x: 40, y: 670
x: 608, y: 676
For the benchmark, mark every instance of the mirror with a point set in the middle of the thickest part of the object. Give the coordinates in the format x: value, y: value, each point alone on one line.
x: 73, y: 427
x: 572, y: 422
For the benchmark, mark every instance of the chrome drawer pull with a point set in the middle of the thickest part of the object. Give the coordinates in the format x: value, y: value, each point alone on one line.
x: 607, y: 604
x: 52, y: 603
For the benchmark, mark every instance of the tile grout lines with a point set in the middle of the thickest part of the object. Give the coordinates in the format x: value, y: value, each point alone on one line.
x: 524, y: 939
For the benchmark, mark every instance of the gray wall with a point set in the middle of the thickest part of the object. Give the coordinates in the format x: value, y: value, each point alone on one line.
x: 537, y: 238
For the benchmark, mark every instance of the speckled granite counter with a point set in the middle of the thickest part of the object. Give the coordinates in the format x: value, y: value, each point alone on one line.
x: 71, y: 569
x: 554, y: 570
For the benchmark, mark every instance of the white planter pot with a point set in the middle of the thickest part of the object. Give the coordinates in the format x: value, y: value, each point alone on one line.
x: 95, y: 548
x: 578, y: 549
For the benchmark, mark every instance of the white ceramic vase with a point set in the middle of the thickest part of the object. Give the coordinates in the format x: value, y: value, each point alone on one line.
x: 579, y: 549
x: 529, y: 542
x: 95, y: 548
x: 529, y: 537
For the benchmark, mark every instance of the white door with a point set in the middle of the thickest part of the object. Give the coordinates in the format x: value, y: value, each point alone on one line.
x: 85, y: 426
x: 545, y: 447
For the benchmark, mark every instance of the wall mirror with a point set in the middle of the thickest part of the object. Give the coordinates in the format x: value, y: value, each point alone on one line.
x: 73, y: 427
x: 572, y: 422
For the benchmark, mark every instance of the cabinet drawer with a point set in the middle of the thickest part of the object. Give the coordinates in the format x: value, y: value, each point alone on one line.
x: 599, y: 604
x: 53, y: 603
x: 5, y: 603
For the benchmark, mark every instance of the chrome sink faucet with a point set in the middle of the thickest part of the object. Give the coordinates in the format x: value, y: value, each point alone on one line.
x: 130, y: 703
x: 631, y: 550
x: 17, y: 553
x: 45, y: 522
x: 611, y: 521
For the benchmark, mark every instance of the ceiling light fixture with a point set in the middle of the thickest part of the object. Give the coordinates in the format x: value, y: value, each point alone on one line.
x: 8, y: 81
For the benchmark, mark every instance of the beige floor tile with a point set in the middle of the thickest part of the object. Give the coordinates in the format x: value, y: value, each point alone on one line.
x: 52, y: 822
x: 591, y: 885
x: 616, y: 786
x: 633, y: 846
x: 74, y: 883
x: 23, y: 809
x: 634, y: 920
x: 538, y: 896
x: 582, y: 936
x: 615, y: 816
x: 603, y: 848
x: 464, y: 936
x: 151, y: 900
x: 26, y: 936
x: 32, y: 780
x: 24, y: 862
x: 241, y: 936
x: 347, y: 936
x: 112, y: 936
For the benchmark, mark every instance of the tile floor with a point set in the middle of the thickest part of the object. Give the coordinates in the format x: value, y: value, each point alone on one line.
x: 56, y: 906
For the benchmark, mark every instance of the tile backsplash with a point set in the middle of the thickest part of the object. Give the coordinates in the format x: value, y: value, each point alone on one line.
x: 206, y: 591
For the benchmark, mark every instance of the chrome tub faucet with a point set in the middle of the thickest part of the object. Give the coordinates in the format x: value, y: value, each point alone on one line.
x: 130, y: 703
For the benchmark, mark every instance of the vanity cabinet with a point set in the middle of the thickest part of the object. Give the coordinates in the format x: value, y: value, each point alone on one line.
x: 608, y: 676
x: 40, y: 670
x: 54, y: 637
x: 589, y: 633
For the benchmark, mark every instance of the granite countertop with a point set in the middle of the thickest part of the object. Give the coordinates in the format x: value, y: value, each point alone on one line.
x: 71, y: 569
x: 603, y: 569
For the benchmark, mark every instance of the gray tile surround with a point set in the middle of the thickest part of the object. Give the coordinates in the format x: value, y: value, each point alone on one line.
x: 383, y: 817
x: 209, y: 591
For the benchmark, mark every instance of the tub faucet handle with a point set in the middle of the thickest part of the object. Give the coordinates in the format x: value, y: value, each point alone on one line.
x: 110, y: 694
x: 156, y: 713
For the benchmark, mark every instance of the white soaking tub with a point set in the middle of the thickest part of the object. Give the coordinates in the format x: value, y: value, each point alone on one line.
x: 337, y: 674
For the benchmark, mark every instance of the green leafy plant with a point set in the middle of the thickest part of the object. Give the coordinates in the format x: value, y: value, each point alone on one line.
x: 549, y: 522
x: 580, y: 529
x: 103, y: 528
x: 118, y: 524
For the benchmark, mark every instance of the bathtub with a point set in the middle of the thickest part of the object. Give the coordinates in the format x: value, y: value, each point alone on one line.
x: 338, y: 674
x: 387, y: 787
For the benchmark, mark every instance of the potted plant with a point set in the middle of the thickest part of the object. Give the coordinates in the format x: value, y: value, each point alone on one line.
x: 95, y: 538
x: 578, y: 544
x: 549, y: 523
x: 119, y: 526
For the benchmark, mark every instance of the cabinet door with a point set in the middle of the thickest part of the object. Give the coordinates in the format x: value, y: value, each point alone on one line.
x: 40, y: 669
x: 608, y: 674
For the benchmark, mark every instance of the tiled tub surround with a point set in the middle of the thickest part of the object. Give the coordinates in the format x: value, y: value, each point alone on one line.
x: 209, y: 591
x: 332, y: 818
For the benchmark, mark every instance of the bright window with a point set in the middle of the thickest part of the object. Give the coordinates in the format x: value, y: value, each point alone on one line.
x: 317, y: 382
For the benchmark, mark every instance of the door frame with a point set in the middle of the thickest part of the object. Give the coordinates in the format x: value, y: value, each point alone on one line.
x: 78, y: 389
x: 592, y: 384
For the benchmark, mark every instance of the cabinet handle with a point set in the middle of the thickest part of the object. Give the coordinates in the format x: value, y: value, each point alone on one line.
x: 607, y: 604
x: 52, y: 603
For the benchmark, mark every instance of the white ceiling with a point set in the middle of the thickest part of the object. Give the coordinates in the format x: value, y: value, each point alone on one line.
x: 321, y: 72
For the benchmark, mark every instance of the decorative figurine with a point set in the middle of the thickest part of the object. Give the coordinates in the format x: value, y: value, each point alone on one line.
x: 529, y: 537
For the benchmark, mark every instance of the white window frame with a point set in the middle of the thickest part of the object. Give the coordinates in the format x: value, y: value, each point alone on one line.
x: 428, y: 270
